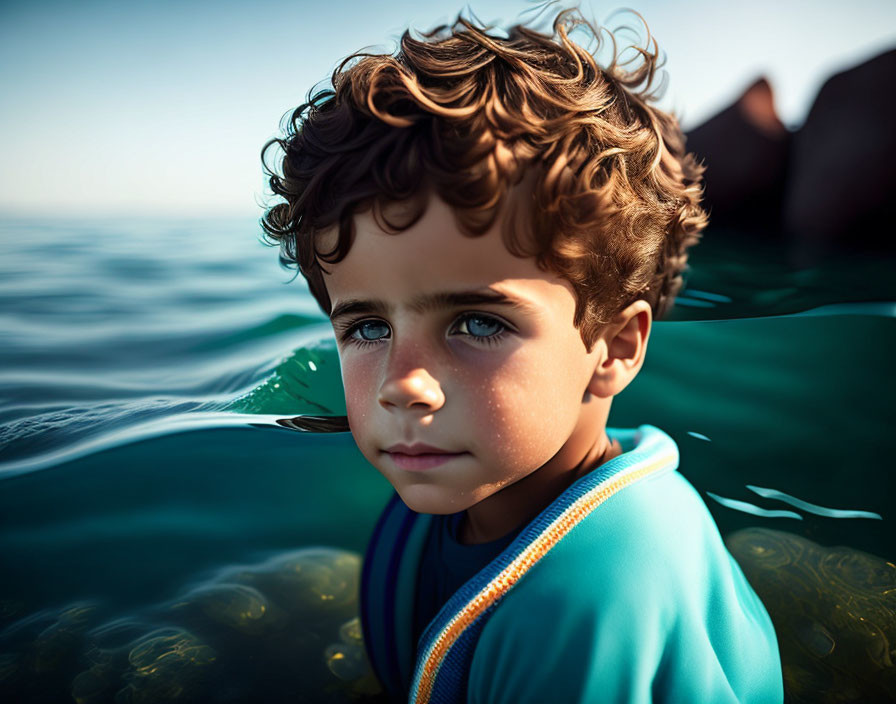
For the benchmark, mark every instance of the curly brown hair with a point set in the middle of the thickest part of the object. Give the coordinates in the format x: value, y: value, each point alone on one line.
x: 591, y: 178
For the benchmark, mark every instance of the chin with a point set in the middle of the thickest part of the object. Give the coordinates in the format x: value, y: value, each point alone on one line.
x: 431, y: 499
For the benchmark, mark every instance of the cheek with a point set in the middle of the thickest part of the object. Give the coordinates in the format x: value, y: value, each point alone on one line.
x: 526, y: 414
x: 358, y: 381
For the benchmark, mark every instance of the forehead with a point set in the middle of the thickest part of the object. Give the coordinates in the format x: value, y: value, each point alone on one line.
x: 434, y: 255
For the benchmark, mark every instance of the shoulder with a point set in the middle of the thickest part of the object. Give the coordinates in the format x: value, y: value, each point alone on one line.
x: 652, y: 539
x: 632, y: 599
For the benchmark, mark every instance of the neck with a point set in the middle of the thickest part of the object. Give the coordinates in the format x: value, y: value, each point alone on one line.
x: 587, y: 448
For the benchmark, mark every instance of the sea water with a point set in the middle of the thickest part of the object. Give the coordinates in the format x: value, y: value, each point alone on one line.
x: 163, y: 539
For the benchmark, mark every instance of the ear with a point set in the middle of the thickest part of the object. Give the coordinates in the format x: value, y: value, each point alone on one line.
x: 622, y: 347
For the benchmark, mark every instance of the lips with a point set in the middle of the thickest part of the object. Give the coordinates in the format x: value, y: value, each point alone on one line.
x: 418, y: 448
x: 419, y: 456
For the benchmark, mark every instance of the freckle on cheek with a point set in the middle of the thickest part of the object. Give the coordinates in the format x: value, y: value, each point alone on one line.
x: 357, y: 383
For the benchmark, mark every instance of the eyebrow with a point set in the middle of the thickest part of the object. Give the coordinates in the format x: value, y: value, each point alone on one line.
x: 434, y: 301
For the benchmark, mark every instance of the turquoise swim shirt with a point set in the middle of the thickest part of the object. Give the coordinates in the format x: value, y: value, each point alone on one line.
x: 620, y: 591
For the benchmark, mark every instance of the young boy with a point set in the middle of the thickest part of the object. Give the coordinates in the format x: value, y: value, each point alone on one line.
x: 492, y: 224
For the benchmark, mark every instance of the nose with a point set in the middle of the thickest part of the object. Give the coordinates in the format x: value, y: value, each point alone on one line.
x: 413, y: 389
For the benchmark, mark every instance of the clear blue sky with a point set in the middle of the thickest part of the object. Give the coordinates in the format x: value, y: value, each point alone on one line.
x: 162, y: 107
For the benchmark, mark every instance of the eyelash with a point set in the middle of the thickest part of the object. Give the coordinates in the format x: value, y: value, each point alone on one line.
x: 346, y: 335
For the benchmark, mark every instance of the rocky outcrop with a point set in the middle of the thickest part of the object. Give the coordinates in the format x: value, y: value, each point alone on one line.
x: 840, y: 191
x: 820, y: 192
x: 745, y: 148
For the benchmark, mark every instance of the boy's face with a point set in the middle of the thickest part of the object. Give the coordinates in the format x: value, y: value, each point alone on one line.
x: 496, y: 386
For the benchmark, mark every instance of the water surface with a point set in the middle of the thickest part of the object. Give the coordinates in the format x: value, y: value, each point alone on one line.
x: 154, y: 514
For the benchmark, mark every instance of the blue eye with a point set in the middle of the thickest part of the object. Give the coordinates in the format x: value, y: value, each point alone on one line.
x: 367, y: 331
x: 481, y: 327
x: 478, y: 327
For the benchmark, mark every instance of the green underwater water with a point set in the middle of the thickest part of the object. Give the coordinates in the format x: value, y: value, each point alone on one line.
x: 163, y: 539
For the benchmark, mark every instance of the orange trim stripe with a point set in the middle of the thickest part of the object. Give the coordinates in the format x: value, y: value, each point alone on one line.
x: 501, y: 584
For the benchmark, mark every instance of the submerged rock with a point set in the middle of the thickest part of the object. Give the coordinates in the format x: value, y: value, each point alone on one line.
x: 285, y: 629
x: 834, y: 611
x: 236, y: 606
x: 310, y: 582
x: 170, y: 665
x: 41, y: 652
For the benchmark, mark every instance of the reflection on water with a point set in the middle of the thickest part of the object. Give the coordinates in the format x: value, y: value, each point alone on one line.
x: 160, y: 532
x: 752, y: 509
x: 776, y: 495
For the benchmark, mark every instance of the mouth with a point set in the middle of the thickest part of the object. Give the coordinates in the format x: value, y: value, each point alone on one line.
x: 416, y: 458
